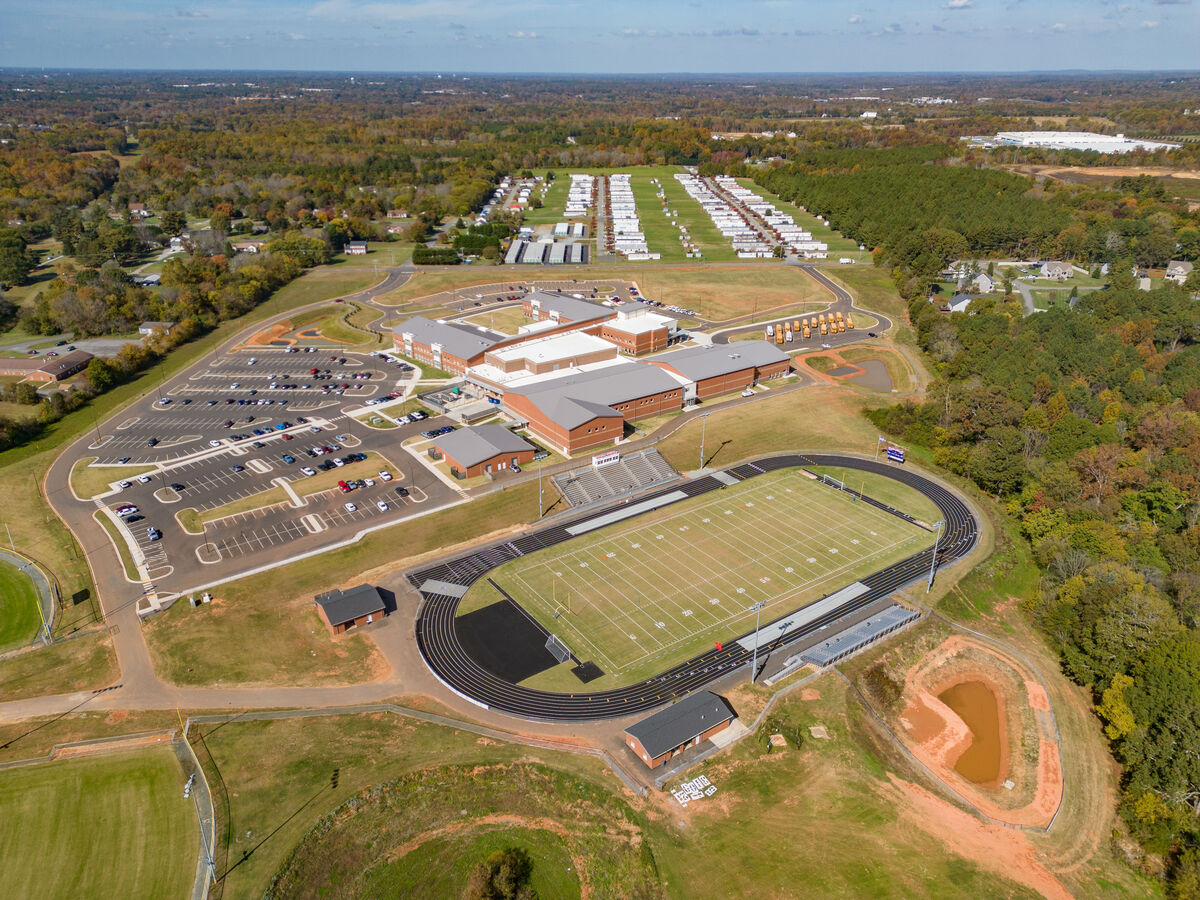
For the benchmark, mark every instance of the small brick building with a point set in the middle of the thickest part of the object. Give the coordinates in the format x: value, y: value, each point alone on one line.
x: 480, y: 449
x: 343, y: 610
x: 692, y: 720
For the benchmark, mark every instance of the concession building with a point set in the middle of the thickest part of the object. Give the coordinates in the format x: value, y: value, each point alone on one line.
x: 692, y: 720
x: 351, y: 608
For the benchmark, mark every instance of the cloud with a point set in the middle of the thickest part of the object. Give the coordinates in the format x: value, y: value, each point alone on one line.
x: 855, y: 19
x: 524, y: 35
x: 1149, y: 23
x: 1172, y: 2
x: 296, y: 37
x: 1058, y: 26
x: 191, y: 14
x: 957, y: 4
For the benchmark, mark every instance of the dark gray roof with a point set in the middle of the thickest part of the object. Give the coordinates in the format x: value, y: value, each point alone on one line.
x: 592, y: 392
x: 858, y: 635
x: 350, y: 604
x: 463, y: 341
x: 569, y: 307
x: 680, y: 722
x: 471, y: 446
x: 698, y: 363
x: 71, y: 361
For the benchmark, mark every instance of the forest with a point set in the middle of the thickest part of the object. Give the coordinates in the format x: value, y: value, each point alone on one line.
x: 1085, y: 424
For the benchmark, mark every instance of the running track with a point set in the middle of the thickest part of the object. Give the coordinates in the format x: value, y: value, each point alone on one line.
x: 450, y: 663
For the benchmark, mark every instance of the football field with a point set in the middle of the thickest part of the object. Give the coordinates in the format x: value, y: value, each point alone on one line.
x: 639, y: 596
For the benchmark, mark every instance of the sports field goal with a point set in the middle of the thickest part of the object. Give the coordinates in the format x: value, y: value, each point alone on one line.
x: 557, y: 648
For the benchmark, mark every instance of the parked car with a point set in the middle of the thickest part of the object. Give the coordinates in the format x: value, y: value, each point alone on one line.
x: 383, y: 507
x: 308, y: 471
x: 350, y: 507
x: 214, y: 443
x: 401, y: 491
x: 238, y: 468
x: 144, y: 479
x: 343, y: 487
x: 126, y: 484
x: 385, y: 475
x: 178, y: 487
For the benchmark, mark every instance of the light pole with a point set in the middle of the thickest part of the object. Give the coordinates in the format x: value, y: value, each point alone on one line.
x: 754, y: 661
x: 540, y: 490
x: 208, y: 857
x: 933, y: 562
x: 703, y: 427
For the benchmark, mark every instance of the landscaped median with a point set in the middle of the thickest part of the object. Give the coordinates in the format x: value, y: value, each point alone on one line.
x: 89, y: 481
x: 193, y: 520
x: 121, y: 545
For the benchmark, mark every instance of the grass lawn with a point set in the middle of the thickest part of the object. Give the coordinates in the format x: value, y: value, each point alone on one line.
x: 815, y: 418
x: 887, y: 490
x: 769, y: 821
x: 506, y: 320
x: 781, y: 539
x: 19, y: 616
x: 78, y: 664
x: 372, y: 749
x: 87, y: 481
x: 379, y: 253
x: 19, y: 412
x: 269, y: 497
x: 721, y: 292
x: 118, y: 825
x: 266, y: 639
x: 118, y: 541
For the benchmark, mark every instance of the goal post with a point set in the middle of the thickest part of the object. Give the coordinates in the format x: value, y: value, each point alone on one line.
x: 557, y: 648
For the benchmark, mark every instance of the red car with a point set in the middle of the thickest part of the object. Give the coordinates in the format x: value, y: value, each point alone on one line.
x: 343, y: 487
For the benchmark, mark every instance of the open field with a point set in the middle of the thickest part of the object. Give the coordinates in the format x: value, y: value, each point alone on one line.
x: 721, y: 292
x: 88, y: 482
x: 435, y: 279
x: 19, y: 616
x: 81, y: 663
x: 1183, y: 183
x: 772, y: 812
x: 887, y: 490
x: 117, y: 824
x: 267, y: 640
x: 640, y: 596
x: 379, y: 253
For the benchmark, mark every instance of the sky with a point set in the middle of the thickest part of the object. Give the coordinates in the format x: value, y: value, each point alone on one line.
x: 603, y: 36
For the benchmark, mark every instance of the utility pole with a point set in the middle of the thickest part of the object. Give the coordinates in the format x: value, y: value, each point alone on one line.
x: 540, y: 489
x: 208, y: 857
x: 933, y: 562
x: 757, y: 617
x: 703, y: 426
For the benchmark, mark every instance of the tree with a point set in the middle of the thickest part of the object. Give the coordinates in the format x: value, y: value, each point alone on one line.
x: 101, y: 374
x: 502, y: 876
x: 15, y: 259
x: 173, y: 222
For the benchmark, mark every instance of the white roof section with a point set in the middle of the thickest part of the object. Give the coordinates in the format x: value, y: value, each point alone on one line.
x: 1080, y: 140
x: 559, y: 346
x: 524, y: 378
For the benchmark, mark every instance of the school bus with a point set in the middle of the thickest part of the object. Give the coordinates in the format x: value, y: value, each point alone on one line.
x: 824, y: 328
x: 795, y: 325
x: 779, y: 335
x: 839, y: 316
x: 841, y: 327
x: 849, y: 322
x: 821, y: 318
x: 807, y: 332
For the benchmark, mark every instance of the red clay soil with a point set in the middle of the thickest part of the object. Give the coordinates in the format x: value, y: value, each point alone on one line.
x: 937, y: 737
x: 270, y: 336
x: 992, y: 847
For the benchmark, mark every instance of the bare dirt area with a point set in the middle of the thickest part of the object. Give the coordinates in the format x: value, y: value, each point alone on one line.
x: 993, y: 847
x: 1021, y: 781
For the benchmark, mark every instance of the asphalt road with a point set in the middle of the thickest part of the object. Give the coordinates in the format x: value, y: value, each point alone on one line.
x: 442, y: 651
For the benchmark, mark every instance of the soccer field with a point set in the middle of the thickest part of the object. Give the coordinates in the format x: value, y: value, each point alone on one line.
x: 106, y: 826
x: 640, y: 596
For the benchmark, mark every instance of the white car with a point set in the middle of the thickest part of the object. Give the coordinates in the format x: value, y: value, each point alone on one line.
x: 385, y: 475
x: 126, y: 484
x: 314, y: 429
x: 369, y: 482
x: 350, y: 507
x: 214, y: 443
x: 404, y: 420
x: 144, y: 479
x: 383, y: 507
x: 308, y: 470
x: 338, y: 461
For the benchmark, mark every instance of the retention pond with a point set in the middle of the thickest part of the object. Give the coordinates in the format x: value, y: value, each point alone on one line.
x: 975, y: 704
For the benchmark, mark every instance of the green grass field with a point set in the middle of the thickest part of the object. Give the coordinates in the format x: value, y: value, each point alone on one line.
x: 116, y: 826
x: 19, y: 617
x: 639, y: 596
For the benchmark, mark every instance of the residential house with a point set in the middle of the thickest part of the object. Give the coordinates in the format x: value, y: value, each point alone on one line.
x: 1060, y: 271
x: 1178, y: 271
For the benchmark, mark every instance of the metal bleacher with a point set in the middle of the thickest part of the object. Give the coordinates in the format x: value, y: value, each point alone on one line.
x: 587, y: 485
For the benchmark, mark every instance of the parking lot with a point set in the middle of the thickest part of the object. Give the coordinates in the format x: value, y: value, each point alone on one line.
x: 233, y: 397
x: 226, y: 432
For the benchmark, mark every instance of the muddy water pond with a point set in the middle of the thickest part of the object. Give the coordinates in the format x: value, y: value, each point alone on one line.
x: 975, y: 704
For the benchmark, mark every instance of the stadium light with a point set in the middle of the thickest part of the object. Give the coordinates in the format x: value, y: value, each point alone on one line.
x: 703, y: 425
x: 757, y: 618
x: 933, y: 562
